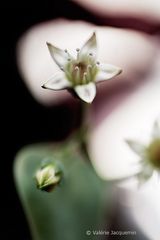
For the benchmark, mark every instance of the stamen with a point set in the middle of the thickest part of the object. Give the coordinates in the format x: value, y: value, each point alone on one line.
x: 69, y: 69
x: 89, y: 72
x: 76, y: 68
x: 91, y: 54
x: 68, y: 59
x: 98, y: 63
x: 94, y: 70
x: 89, y: 66
x: 66, y: 51
x: 62, y: 68
x: 78, y: 50
x: 84, y: 78
x: 76, y: 77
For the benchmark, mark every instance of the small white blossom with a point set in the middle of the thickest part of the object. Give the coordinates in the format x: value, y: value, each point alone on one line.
x: 80, y: 74
x: 47, y: 177
x: 149, y: 154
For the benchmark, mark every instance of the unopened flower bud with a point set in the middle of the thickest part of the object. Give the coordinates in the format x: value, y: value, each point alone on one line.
x: 48, y: 177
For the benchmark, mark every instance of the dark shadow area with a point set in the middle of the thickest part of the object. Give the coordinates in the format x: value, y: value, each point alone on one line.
x: 23, y: 120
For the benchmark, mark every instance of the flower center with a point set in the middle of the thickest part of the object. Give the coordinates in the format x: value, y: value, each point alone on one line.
x: 153, y: 152
x: 79, y: 73
x: 81, y: 67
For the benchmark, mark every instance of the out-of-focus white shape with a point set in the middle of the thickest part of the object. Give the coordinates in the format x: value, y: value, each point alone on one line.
x: 115, y: 46
x: 142, y: 205
x: 34, y: 60
x: 156, y: 129
x: 132, y: 119
x: 113, y: 159
x: 146, y: 9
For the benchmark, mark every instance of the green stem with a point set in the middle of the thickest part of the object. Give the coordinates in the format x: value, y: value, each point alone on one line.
x: 82, y: 132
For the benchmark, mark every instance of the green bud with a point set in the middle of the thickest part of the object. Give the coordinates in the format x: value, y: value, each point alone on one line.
x: 47, y: 177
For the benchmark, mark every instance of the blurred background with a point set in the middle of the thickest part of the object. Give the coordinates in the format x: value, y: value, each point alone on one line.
x: 23, y: 119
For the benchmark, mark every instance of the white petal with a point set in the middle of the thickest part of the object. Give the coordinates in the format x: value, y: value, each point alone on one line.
x: 137, y: 147
x: 90, y: 47
x: 107, y: 71
x: 86, y: 92
x: 156, y: 130
x: 59, y: 56
x: 57, y: 82
x: 145, y: 174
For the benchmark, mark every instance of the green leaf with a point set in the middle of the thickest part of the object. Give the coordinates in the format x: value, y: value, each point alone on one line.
x: 80, y: 203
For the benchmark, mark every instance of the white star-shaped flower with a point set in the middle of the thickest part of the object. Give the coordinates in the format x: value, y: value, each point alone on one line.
x: 149, y: 154
x: 80, y: 74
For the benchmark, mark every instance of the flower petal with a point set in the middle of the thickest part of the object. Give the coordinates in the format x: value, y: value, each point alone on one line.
x: 156, y: 130
x: 60, y: 57
x: 145, y: 174
x: 107, y: 71
x: 137, y: 147
x: 90, y: 47
x: 57, y: 82
x: 86, y: 92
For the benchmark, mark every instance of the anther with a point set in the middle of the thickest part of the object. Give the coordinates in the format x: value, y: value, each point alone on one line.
x: 84, y: 81
x: 89, y: 66
x: 97, y: 63
x: 69, y: 59
x: 91, y: 54
x: 66, y: 51
x: 77, y: 49
x: 76, y: 68
x: 62, y: 68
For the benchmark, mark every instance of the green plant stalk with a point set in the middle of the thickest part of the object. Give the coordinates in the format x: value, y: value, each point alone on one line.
x: 82, y: 131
